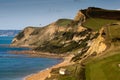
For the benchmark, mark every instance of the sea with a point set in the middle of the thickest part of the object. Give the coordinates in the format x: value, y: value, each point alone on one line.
x: 16, y: 67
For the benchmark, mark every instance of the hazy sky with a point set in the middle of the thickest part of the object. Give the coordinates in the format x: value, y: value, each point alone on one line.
x: 17, y: 14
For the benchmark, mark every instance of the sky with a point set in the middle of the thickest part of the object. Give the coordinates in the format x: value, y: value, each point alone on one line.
x: 18, y: 14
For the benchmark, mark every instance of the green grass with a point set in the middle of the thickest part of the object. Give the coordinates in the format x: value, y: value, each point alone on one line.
x: 104, y: 69
x: 63, y: 22
x: 113, y: 34
x: 96, y: 23
x: 114, y: 31
x: 75, y: 72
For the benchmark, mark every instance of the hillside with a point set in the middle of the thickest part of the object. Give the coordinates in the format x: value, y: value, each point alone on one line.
x: 90, y: 36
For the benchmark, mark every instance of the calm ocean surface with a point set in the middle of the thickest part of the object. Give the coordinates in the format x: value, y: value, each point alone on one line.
x: 16, y: 67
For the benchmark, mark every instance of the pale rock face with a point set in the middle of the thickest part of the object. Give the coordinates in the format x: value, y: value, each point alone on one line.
x: 44, y: 34
x: 80, y: 29
x: 97, y: 45
x: 23, y: 40
x: 78, y: 38
x: 80, y: 17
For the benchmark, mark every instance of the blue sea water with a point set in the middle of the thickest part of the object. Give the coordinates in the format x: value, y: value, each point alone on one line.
x: 16, y: 67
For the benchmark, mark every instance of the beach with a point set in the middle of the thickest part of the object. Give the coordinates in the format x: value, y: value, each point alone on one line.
x: 42, y: 75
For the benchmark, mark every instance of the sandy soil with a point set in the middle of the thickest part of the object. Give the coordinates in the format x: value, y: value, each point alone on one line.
x: 42, y: 75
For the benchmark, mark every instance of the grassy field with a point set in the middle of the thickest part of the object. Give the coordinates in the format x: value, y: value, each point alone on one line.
x: 113, y: 35
x: 63, y: 22
x: 114, y: 30
x: 105, y: 69
x: 96, y: 23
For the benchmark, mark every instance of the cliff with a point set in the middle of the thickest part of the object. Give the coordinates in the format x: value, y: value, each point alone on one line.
x: 92, y: 33
x: 66, y: 35
x: 61, y: 36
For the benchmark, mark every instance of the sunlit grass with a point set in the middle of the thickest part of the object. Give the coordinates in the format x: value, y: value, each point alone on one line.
x: 96, y: 23
x: 105, y: 69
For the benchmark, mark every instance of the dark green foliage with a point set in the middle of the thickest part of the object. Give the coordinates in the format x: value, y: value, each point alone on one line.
x: 74, y: 23
x: 115, y: 39
x: 52, y: 46
x: 68, y: 35
x: 60, y: 45
x: 101, y: 13
x: 77, y: 57
x: 81, y: 74
x: 71, y: 46
x: 57, y: 47
x: 20, y: 35
x: 83, y: 33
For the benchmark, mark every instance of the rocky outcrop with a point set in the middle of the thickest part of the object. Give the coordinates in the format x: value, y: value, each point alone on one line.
x: 98, y: 45
x: 95, y: 45
x: 80, y: 18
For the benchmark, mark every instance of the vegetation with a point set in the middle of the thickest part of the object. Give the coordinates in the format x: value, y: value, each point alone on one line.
x: 63, y: 22
x: 97, y: 23
x: 114, y: 31
x: 101, y: 13
x: 20, y: 35
x: 100, y: 68
x: 105, y: 68
x: 74, y: 72
x: 63, y: 42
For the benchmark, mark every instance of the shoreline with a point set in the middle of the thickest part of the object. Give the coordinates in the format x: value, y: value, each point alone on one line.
x: 43, y: 74
x: 31, y: 53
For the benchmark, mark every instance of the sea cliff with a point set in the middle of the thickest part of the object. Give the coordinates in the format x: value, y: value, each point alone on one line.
x: 92, y: 33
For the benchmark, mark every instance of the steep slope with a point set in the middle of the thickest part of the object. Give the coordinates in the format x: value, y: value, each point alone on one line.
x: 91, y: 34
x: 61, y: 36
x: 66, y: 35
x: 32, y: 36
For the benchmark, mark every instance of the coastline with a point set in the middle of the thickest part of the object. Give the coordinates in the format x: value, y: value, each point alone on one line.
x: 31, y: 53
x: 43, y: 74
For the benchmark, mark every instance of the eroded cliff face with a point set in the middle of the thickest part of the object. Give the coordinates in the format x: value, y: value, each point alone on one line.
x: 98, y: 45
x: 23, y: 37
x: 80, y: 17
x: 31, y: 36
x: 62, y: 36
